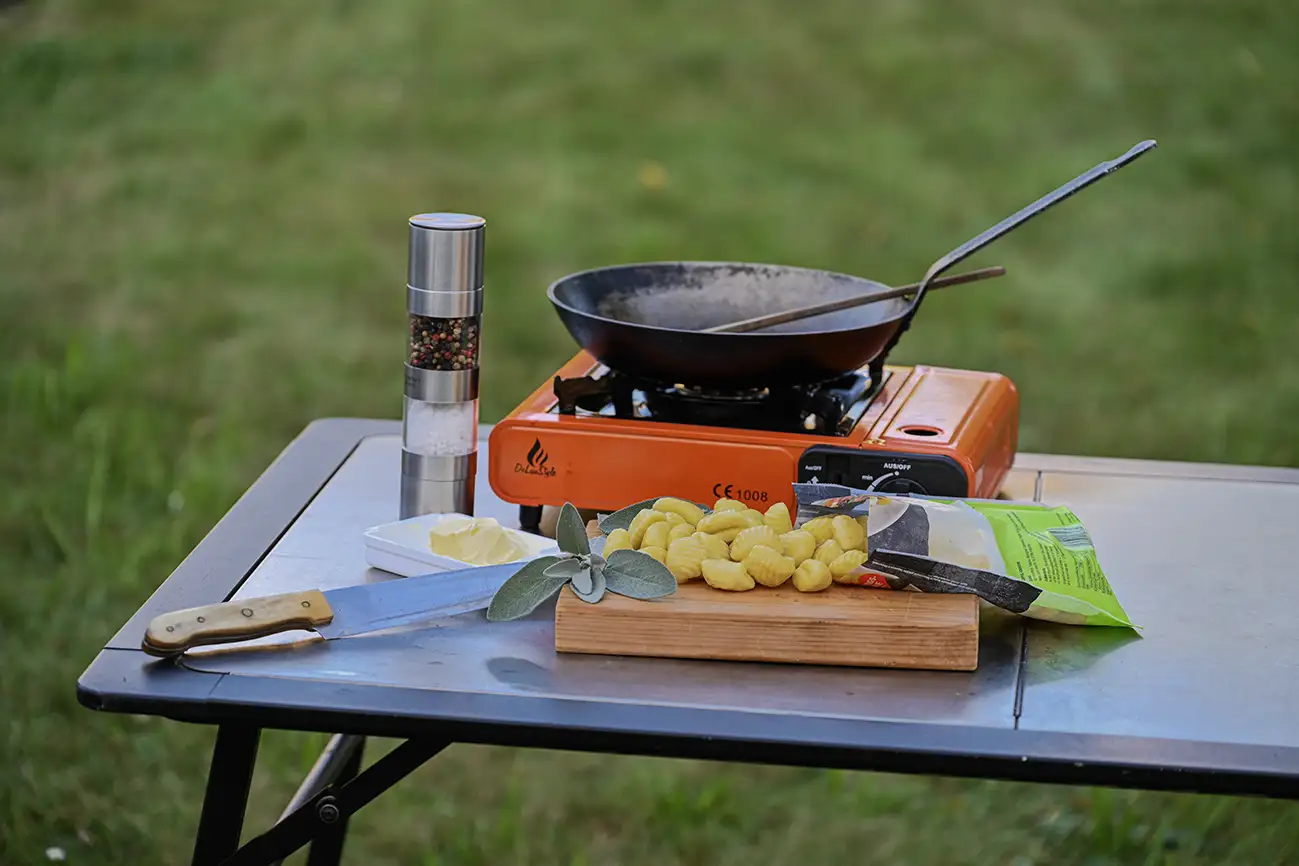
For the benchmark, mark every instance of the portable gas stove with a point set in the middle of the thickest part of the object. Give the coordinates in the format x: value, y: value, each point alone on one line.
x: 603, y: 440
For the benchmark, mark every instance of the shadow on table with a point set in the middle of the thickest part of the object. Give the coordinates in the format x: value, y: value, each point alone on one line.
x: 1057, y: 652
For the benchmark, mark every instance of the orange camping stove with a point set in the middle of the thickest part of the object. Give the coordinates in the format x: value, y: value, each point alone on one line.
x: 591, y: 438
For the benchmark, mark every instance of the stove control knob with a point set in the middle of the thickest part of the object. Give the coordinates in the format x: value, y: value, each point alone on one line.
x: 898, y: 484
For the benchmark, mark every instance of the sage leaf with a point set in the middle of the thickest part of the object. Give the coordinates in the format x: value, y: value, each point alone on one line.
x: 636, y: 574
x: 596, y: 592
x: 570, y: 534
x: 583, y: 581
x: 525, y: 590
x: 565, y: 568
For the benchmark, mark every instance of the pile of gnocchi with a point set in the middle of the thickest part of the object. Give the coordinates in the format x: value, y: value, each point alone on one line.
x: 735, y: 547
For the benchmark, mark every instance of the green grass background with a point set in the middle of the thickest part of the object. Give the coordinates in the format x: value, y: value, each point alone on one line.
x: 202, y: 248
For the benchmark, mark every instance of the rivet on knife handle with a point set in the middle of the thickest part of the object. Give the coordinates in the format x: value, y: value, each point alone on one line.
x: 170, y: 634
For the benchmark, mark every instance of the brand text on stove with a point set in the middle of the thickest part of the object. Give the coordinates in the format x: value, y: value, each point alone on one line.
x: 536, y: 462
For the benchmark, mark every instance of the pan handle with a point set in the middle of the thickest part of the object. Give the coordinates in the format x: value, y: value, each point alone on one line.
x: 1022, y: 216
x: 1011, y: 223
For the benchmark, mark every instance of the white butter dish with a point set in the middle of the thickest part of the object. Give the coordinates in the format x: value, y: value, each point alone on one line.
x: 402, y: 547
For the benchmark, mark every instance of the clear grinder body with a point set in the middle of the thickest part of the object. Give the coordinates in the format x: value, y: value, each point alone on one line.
x: 444, y: 300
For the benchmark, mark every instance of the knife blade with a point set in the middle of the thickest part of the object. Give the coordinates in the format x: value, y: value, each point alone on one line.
x: 333, y: 614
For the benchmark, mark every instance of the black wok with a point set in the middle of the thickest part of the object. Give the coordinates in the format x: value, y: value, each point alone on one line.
x: 644, y: 321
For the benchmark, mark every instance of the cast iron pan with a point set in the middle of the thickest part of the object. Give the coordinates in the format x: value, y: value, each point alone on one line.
x: 644, y: 321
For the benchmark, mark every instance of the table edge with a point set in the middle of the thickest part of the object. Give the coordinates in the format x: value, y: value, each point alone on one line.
x: 759, y: 737
x: 1079, y: 464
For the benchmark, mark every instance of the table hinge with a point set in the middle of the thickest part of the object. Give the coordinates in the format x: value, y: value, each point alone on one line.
x: 333, y: 804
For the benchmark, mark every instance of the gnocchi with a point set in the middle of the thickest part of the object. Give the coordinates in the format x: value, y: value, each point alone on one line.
x: 820, y: 527
x: 656, y: 535
x: 798, y: 545
x: 619, y: 539
x: 687, y: 511
x: 736, y: 548
x: 848, y: 532
x: 751, y: 537
x: 720, y: 521
x: 845, y: 564
x: 714, y: 546
x: 641, y: 522
x: 777, y: 517
x: 657, y: 552
x: 728, y: 575
x: 684, y: 558
x: 826, y: 551
x: 681, y: 530
x: 812, y: 576
x: 768, y: 566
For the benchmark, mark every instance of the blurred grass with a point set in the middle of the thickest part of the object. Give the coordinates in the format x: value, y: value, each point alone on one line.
x: 202, y: 248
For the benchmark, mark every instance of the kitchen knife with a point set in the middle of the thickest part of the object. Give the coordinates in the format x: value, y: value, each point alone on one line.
x: 337, y: 613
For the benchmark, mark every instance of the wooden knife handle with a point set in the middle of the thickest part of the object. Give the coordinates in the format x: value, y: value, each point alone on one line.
x: 227, y: 622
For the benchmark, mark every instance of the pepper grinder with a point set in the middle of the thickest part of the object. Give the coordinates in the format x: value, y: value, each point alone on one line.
x: 444, y: 297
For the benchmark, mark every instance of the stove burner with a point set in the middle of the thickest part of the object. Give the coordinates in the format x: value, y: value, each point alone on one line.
x: 757, y: 409
x: 831, y: 408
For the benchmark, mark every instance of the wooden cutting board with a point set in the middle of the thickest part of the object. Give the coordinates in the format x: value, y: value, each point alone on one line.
x: 843, y: 625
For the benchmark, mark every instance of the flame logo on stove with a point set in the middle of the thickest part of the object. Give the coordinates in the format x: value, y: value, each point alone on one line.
x: 536, y: 462
x: 537, y: 456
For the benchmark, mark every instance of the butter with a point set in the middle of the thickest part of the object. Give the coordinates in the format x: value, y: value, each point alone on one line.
x: 475, y: 540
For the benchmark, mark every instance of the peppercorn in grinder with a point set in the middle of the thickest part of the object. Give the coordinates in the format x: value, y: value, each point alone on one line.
x: 444, y: 297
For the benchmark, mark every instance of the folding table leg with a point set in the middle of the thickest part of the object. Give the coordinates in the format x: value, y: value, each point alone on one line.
x: 327, y: 848
x: 316, y: 809
x: 226, y: 797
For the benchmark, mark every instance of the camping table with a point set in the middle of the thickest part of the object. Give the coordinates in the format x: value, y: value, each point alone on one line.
x: 1205, y: 701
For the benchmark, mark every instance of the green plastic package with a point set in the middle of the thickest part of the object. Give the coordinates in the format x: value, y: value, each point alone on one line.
x: 1025, y: 557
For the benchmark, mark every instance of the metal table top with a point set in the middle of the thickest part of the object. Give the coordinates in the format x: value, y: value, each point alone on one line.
x: 1200, y: 701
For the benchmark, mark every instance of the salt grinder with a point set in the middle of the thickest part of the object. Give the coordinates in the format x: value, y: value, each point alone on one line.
x: 444, y: 296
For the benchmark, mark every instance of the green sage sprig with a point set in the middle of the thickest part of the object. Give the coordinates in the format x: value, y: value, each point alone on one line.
x: 631, y: 573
